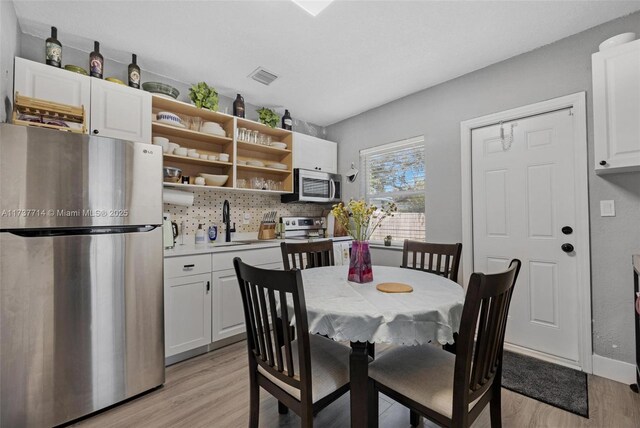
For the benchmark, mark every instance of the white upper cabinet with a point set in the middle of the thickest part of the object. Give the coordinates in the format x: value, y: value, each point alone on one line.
x: 118, y: 111
x: 616, y: 108
x: 314, y: 153
x: 36, y: 80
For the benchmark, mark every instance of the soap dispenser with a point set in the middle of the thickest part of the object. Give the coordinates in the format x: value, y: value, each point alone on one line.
x: 200, y: 235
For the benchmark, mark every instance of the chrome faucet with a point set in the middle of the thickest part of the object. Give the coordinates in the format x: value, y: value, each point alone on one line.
x: 226, y: 219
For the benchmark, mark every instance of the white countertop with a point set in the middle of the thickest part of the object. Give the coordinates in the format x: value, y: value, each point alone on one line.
x: 219, y: 247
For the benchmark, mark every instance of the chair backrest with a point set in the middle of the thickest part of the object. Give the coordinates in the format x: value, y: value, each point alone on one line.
x: 441, y: 259
x: 481, y: 338
x: 264, y: 298
x: 304, y: 255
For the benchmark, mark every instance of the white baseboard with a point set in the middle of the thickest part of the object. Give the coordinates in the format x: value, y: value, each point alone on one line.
x: 614, y: 369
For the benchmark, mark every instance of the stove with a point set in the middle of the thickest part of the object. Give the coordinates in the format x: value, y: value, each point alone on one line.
x: 304, y: 228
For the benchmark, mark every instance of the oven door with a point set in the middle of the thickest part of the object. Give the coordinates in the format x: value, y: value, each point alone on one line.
x: 315, y: 186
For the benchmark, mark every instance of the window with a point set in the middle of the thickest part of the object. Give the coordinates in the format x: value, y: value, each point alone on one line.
x: 395, y: 173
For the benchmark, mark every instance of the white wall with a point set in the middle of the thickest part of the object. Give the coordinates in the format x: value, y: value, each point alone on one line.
x: 554, y: 70
x: 9, y: 47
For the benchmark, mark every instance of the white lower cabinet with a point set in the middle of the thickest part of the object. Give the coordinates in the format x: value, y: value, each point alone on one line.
x: 202, y: 299
x: 228, y: 315
x: 187, y: 313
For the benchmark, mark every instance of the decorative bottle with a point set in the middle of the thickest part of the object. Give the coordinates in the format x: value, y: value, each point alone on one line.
x: 53, y: 49
x: 96, y: 61
x: 287, y: 122
x: 238, y: 106
x: 134, y: 72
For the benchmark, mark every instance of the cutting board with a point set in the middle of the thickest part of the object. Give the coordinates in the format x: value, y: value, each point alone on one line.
x: 394, y: 287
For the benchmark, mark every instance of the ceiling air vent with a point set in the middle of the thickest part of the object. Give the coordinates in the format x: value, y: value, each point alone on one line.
x: 263, y: 76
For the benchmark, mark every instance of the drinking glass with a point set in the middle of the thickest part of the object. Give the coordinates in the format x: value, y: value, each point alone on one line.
x: 242, y: 134
x: 254, y: 137
x: 241, y: 183
x: 195, y: 123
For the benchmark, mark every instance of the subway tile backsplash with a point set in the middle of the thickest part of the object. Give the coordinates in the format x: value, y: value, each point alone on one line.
x: 207, y: 209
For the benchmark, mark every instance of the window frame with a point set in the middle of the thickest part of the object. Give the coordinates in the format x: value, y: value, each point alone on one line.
x: 386, y: 148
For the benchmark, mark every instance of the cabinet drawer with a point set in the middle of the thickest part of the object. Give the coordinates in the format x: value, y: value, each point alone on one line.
x: 187, y: 265
x: 255, y: 257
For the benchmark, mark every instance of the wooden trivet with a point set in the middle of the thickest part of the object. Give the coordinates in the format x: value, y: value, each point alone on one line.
x: 394, y: 287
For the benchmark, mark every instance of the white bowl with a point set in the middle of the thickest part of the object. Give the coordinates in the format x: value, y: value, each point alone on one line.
x: 194, y: 155
x: 279, y: 145
x: 180, y: 151
x: 191, y: 150
x: 617, y: 40
x: 213, y: 157
x: 173, y: 147
x: 224, y: 157
x: 163, y: 142
x: 276, y: 165
x: 255, y: 163
x: 214, y: 180
x: 165, y: 115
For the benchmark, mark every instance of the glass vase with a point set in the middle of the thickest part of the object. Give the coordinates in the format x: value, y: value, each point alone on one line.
x: 360, y: 264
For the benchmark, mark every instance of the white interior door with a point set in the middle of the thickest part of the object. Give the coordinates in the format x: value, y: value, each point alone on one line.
x: 523, y: 197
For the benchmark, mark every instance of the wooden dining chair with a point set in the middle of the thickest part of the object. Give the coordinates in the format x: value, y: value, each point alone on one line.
x: 305, y: 374
x: 452, y: 390
x: 441, y: 259
x: 303, y: 255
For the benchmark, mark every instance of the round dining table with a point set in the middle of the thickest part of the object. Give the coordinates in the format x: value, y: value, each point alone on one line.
x: 362, y: 315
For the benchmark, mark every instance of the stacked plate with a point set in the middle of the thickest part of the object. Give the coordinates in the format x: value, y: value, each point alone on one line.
x: 276, y: 165
x: 162, y: 89
x: 255, y: 163
x: 212, y: 128
x: 279, y: 145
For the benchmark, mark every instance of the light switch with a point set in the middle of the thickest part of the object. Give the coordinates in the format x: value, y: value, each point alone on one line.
x: 607, y: 209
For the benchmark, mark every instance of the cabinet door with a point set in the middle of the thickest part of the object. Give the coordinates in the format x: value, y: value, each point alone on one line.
x: 616, y: 108
x: 228, y: 314
x: 118, y: 111
x: 42, y: 81
x: 187, y: 313
x: 314, y: 153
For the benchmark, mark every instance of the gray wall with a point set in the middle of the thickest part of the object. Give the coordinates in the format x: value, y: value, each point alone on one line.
x: 9, y: 47
x: 32, y: 47
x: 554, y: 70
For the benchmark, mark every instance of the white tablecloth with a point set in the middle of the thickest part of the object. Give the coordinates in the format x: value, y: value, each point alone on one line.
x: 355, y: 312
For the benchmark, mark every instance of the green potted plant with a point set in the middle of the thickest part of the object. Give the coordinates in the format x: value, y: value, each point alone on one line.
x: 204, y: 96
x: 268, y: 117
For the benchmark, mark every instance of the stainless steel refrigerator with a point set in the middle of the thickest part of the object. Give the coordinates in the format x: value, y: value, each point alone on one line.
x: 81, y: 303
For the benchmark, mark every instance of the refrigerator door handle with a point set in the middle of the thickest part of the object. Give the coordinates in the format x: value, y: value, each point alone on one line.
x: 72, y: 231
x: 208, y: 286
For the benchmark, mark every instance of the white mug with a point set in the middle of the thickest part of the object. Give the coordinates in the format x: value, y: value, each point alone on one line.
x: 224, y: 157
x: 200, y: 181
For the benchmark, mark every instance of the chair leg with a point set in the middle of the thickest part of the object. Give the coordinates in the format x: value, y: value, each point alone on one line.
x: 414, y: 418
x: 254, y: 401
x: 495, y: 408
x: 282, y: 409
x: 373, y: 404
x: 306, y: 418
x: 371, y: 350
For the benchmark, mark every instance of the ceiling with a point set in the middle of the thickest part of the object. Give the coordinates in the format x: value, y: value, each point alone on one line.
x: 354, y: 56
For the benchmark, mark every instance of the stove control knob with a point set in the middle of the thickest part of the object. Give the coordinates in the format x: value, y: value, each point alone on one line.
x: 287, y: 222
x: 293, y: 223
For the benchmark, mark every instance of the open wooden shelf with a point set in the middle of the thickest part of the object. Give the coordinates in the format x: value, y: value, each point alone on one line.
x: 242, y: 145
x: 179, y: 107
x: 194, y: 161
x: 196, y: 186
x: 229, y: 189
x: 257, y: 126
x: 173, y: 131
x: 263, y: 169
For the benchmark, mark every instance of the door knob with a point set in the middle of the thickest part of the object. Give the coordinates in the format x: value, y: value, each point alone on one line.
x: 567, y: 230
x: 603, y: 163
x: 95, y: 131
x: 567, y: 248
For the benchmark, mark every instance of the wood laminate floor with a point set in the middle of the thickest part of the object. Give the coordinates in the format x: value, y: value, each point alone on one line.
x: 212, y: 391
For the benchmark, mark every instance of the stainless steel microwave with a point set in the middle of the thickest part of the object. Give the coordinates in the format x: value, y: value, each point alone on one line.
x: 314, y: 186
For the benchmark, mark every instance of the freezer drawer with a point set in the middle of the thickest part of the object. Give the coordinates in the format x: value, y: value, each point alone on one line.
x: 81, y: 324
